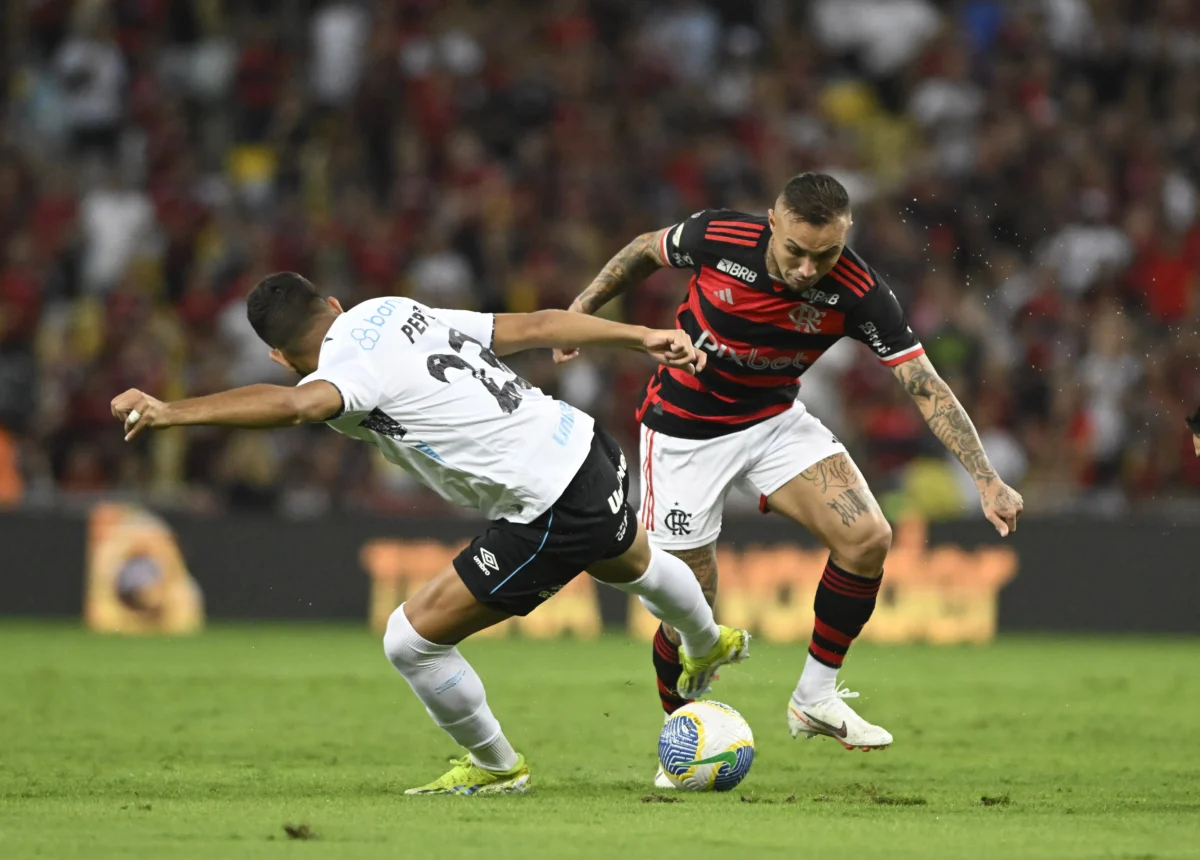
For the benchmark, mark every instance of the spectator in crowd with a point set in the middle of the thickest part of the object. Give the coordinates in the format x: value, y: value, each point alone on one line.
x: 1025, y: 174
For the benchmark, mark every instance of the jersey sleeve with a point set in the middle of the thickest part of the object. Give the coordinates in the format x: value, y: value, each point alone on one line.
x: 682, y: 245
x: 356, y: 381
x: 880, y: 323
x: 481, y: 327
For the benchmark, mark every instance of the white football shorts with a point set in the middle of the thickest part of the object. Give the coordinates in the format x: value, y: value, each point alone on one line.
x: 685, y: 481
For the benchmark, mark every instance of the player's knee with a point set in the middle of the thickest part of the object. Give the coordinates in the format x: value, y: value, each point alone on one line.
x: 867, y: 550
x: 399, y: 641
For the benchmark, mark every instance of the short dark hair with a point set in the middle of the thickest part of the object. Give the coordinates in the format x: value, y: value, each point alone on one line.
x: 282, y: 308
x: 815, y: 198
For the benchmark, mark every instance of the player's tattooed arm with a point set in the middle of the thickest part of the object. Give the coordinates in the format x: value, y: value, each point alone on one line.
x: 952, y: 426
x: 945, y: 416
x: 632, y: 264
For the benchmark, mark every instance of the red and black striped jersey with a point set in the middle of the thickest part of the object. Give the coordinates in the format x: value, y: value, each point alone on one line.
x: 760, y: 335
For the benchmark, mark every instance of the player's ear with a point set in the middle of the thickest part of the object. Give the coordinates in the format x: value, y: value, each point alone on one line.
x: 279, y: 358
x: 335, y: 305
x: 771, y: 218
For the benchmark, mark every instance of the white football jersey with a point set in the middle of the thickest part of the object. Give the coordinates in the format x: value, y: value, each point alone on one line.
x: 424, y: 387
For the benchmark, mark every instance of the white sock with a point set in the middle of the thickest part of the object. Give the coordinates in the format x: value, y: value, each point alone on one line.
x: 498, y: 756
x: 670, y: 592
x: 817, y: 682
x: 450, y: 690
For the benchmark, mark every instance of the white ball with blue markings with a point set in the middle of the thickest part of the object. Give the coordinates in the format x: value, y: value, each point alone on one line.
x: 706, y: 746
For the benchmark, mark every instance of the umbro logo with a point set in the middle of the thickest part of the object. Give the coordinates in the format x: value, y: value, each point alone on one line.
x: 485, y: 560
x: 725, y: 295
x: 737, y: 270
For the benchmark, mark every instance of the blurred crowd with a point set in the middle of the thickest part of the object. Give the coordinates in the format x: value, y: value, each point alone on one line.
x: 1023, y: 172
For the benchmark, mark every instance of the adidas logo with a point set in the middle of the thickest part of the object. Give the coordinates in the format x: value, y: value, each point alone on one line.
x: 725, y: 295
x: 738, y: 271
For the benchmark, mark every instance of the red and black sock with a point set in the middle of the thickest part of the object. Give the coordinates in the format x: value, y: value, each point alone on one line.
x: 844, y: 603
x: 668, y: 668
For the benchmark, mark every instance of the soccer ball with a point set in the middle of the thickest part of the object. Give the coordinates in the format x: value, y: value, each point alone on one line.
x: 706, y: 746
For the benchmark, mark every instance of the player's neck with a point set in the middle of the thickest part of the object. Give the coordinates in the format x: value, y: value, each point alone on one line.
x: 308, y: 357
x: 773, y: 267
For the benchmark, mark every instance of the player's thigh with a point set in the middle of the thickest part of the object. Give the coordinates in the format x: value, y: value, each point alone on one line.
x: 684, y: 484
x: 632, y: 564
x: 444, y: 610
x: 515, y: 567
x: 806, y: 475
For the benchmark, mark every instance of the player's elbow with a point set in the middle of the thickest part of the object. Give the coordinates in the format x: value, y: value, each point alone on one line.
x: 650, y: 248
x: 296, y: 410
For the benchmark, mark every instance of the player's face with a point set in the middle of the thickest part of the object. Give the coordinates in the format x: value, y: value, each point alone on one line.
x: 804, y: 253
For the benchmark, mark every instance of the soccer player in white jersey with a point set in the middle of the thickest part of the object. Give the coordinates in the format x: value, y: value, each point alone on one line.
x: 426, y: 388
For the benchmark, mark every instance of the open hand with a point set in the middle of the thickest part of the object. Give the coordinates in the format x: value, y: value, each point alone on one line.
x: 674, y: 348
x: 1002, y: 505
x: 137, y: 411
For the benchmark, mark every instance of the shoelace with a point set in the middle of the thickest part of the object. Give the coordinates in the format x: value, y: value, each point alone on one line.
x: 842, y: 692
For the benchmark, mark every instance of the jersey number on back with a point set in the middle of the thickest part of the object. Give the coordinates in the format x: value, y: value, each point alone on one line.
x: 507, y: 395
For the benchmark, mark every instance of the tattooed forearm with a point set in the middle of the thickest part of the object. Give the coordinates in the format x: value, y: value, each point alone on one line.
x: 632, y: 264
x: 849, y: 505
x: 833, y: 472
x: 945, y: 416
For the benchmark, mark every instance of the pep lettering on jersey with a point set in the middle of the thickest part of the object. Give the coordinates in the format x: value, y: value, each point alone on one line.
x: 417, y: 323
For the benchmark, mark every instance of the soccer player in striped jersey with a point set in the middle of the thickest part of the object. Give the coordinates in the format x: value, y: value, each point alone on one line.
x: 768, y: 296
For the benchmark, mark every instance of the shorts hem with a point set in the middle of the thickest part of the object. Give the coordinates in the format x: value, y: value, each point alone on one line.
x: 482, y: 598
x: 677, y: 544
x: 765, y: 492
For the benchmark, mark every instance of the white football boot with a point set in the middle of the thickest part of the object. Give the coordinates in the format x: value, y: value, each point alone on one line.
x: 834, y: 718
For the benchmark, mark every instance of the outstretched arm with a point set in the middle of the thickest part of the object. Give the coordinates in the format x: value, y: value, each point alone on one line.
x: 252, y: 406
x: 566, y: 330
x: 637, y: 261
x: 951, y: 424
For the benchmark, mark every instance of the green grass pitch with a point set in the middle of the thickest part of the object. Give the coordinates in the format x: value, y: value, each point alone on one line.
x: 207, y: 747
